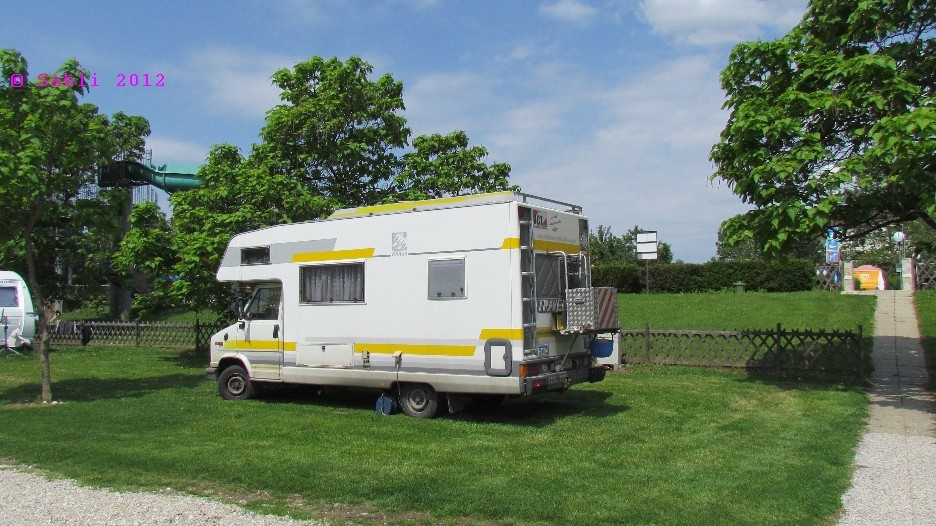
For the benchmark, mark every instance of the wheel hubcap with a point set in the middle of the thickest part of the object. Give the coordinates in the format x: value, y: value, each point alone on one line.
x: 236, y: 385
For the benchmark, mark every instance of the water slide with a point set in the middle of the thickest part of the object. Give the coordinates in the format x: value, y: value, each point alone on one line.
x: 167, y: 177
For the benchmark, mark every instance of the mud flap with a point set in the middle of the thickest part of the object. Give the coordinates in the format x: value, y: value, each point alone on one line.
x: 456, y: 402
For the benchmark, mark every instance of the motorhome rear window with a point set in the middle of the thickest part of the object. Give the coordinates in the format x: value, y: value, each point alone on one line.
x: 446, y: 279
x: 8, y: 297
x: 332, y: 283
x: 255, y: 256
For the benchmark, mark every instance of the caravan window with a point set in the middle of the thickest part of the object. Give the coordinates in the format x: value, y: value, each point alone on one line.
x: 8, y: 297
x: 255, y: 256
x: 332, y: 283
x: 446, y: 278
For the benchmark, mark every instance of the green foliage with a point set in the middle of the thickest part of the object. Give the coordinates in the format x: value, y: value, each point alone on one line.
x: 834, y: 123
x: 336, y: 130
x: 148, y: 248
x: 768, y: 276
x: 444, y: 165
x: 656, y: 445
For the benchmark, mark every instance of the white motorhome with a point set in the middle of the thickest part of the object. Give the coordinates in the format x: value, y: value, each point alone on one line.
x: 17, y: 317
x: 482, y: 296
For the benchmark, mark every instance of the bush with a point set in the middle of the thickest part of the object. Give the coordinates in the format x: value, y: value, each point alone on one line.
x: 769, y: 276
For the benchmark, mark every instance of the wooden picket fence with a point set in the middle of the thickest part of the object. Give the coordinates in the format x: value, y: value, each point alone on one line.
x: 925, y: 275
x: 837, y: 352
x: 135, y: 333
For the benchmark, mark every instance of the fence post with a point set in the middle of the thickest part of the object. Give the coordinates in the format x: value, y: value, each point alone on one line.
x: 647, y: 341
x: 779, y: 349
x: 136, y: 327
x: 861, y: 371
x: 197, y: 333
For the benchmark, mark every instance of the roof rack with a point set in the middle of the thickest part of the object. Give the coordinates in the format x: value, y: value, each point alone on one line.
x: 575, y: 209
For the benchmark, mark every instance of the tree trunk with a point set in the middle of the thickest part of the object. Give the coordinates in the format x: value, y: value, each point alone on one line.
x: 121, y: 296
x: 39, y: 307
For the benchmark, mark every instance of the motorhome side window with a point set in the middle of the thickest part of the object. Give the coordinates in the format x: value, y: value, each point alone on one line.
x: 255, y: 256
x: 265, y: 304
x: 446, y: 278
x: 8, y: 297
x: 342, y: 283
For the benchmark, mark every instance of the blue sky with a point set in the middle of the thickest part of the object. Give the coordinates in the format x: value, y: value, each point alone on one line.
x: 610, y: 104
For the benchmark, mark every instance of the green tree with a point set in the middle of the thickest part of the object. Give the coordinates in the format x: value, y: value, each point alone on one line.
x: 148, y: 248
x: 751, y: 249
x: 336, y: 130
x: 49, y: 146
x: 444, y: 165
x: 834, y: 123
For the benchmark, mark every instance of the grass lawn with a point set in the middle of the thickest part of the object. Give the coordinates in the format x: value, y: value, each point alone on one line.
x: 655, y: 445
x: 926, y: 314
x: 751, y: 310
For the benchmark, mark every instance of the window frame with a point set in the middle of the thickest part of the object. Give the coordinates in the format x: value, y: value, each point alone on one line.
x: 246, y: 250
x: 464, y: 279
x: 330, y: 267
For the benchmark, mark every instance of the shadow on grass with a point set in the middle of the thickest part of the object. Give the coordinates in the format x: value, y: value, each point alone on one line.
x: 189, y: 359
x: 527, y: 411
x: 806, y: 381
x: 91, y: 389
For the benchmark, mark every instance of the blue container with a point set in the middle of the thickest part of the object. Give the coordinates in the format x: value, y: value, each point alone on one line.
x: 602, y: 348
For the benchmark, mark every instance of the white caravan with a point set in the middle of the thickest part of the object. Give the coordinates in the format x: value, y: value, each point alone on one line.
x: 482, y: 296
x: 17, y: 317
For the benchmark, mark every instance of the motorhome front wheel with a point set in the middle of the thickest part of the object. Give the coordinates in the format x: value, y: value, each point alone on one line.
x: 234, y: 384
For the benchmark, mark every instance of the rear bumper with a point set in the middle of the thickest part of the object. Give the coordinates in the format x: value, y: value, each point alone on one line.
x: 211, y: 373
x: 562, y: 380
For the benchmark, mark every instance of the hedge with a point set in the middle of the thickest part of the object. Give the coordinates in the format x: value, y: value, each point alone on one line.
x: 772, y: 276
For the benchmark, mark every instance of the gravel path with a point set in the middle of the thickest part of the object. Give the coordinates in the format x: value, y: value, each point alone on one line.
x: 30, y: 499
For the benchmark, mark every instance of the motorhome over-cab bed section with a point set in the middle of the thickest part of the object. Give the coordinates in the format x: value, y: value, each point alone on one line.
x: 470, y: 295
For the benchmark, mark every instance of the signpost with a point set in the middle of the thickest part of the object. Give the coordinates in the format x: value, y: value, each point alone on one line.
x: 647, y: 250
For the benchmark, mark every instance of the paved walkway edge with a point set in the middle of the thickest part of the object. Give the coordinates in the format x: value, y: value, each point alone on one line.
x: 895, y: 466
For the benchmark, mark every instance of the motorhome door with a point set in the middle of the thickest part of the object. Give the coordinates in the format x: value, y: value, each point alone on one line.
x: 260, y: 332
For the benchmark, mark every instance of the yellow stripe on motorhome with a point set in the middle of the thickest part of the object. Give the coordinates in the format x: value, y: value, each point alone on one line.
x: 423, y: 350
x: 555, y: 246
x: 542, y: 245
x: 510, y: 243
x: 501, y: 334
x: 333, y: 255
x: 409, y: 205
x: 258, y: 345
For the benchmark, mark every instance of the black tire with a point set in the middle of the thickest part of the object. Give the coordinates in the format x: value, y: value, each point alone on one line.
x: 487, y: 401
x: 234, y: 384
x: 419, y: 400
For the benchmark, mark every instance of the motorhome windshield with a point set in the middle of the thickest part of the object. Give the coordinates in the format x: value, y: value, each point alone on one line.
x: 8, y: 297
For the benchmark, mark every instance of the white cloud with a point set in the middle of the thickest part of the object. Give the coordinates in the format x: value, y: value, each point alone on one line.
x: 176, y: 150
x: 706, y: 22
x: 569, y: 11
x: 236, y: 81
x: 631, y: 152
x: 443, y: 102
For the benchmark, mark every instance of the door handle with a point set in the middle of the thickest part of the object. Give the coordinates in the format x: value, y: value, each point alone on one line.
x: 276, y: 331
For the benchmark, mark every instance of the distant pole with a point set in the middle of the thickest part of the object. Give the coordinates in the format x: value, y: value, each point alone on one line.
x: 648, y: 277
